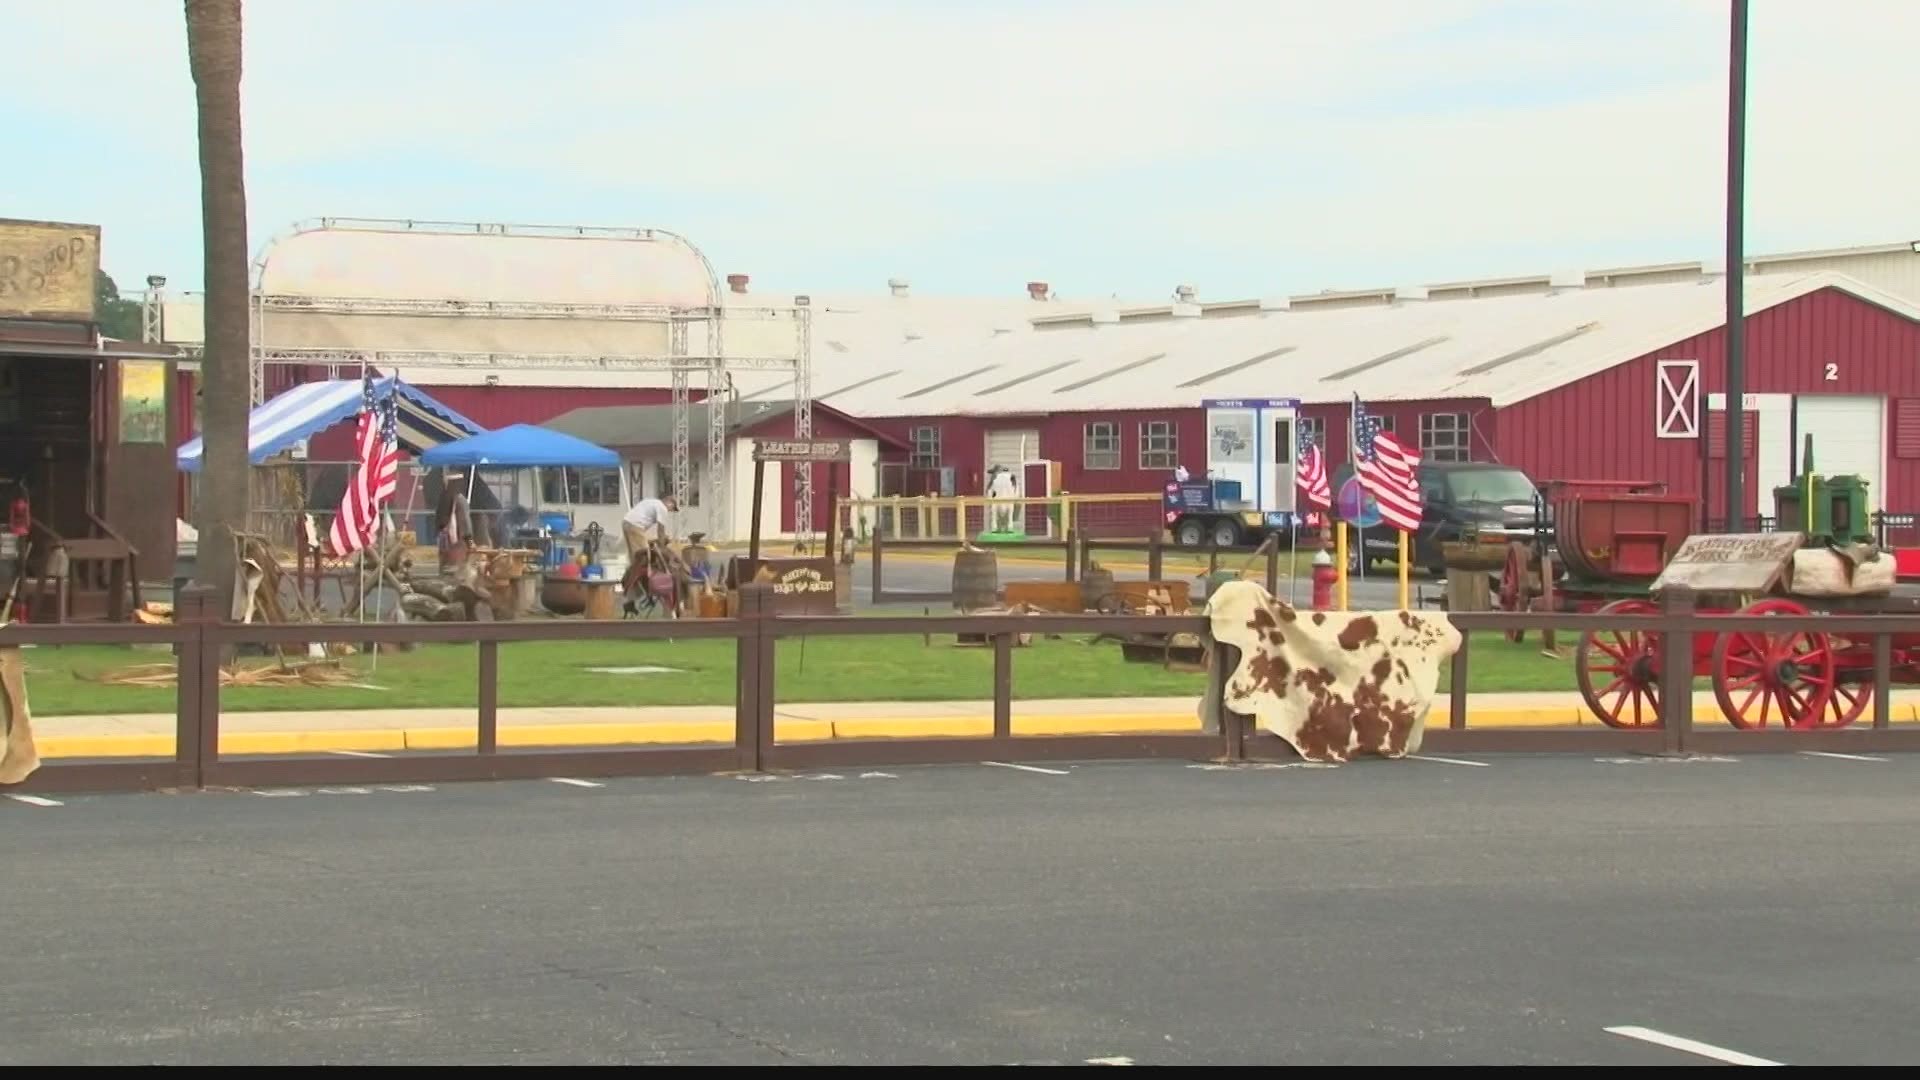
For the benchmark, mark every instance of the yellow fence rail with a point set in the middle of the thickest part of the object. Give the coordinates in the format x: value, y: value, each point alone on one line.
x: 902, y: 517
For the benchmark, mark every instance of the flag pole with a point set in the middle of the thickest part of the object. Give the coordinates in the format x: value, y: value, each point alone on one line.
x: 1404, y: 606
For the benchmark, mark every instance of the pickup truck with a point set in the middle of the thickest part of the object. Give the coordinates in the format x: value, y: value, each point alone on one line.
x: 1461, y: 498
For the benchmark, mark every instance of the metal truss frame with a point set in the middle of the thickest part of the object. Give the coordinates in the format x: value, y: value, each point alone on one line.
x: 680, y: 362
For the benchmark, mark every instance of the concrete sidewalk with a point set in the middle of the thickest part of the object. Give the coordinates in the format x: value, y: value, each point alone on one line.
x: 396, y: 730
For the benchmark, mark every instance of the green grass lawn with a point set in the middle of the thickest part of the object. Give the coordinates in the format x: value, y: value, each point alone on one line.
x: 892, y: 668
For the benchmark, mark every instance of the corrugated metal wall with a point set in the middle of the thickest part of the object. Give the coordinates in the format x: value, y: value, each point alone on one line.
x: 1603, y: 427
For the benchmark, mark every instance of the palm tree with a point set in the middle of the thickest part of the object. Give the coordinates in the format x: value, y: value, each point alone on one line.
x: 213, y: 51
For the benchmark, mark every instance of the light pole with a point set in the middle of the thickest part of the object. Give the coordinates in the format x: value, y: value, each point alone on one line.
x: 1736, y: 267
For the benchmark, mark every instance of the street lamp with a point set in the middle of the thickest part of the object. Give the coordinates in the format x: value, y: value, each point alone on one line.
x: 1736, y: 266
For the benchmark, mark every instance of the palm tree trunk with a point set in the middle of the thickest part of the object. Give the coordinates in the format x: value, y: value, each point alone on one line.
x: 214, y: 52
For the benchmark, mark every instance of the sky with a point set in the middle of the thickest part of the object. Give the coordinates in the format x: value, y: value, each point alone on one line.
x: 1109, y: 147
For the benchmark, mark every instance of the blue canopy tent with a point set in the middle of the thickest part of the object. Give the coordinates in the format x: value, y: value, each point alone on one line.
x: 521, y: 446
x: 310, y: 408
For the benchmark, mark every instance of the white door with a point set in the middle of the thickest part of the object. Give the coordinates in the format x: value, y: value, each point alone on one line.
x: 1012, y: 448
x: 1849, y: 436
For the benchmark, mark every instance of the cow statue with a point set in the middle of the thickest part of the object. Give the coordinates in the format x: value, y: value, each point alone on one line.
x: 1001, y: 485
x: 1332, y: 684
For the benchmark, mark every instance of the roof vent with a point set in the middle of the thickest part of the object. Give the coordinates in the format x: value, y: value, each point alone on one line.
x: 737, y: 282
x: 1186, y: 294
x: 1038, y: 290
x: 898, y: 286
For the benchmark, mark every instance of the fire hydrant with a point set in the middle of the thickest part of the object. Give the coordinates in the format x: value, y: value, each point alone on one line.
x: 1324, y: 577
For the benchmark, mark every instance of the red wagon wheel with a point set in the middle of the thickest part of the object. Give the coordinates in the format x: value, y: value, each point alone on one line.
x: 1619, y: 670
x: 1761, y: 678
x: 1516, y: 593
x: 1849, y: 702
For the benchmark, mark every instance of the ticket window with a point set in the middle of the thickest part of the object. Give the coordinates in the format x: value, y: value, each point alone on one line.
x: 1279, y: 480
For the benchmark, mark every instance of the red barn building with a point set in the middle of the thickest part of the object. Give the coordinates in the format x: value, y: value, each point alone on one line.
x: 1572, y: 383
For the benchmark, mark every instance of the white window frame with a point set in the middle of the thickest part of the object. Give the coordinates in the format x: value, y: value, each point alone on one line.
x: 1460, y: 437
x: 1676, y: 399
x: 1102, y: 460
x: 1171, y: 449
x: 919, y: 458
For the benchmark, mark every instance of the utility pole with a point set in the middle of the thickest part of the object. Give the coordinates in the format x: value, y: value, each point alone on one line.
x: 1736, y: 267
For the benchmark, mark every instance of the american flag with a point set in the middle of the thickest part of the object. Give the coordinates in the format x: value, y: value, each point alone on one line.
x: 1311, y: 473
x: 377, y: 441
x: 1388, y: 469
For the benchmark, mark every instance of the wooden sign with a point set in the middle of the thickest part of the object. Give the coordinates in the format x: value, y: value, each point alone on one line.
x: 1746, y: 563
x: 802, y: 450
x: 47, y: 270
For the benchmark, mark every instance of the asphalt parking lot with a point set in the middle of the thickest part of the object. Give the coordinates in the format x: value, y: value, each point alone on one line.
x: 1475, y: 910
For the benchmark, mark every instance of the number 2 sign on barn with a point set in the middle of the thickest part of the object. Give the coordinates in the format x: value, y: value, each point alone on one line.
x: 47, y: 270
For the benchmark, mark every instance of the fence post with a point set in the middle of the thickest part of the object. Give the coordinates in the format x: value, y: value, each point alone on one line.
x: 1003, y: 686
x: 1232, y: 732
x: 1882, y: 680
x: 196, y: 739
x: 874, y: 549
x: 1676, y: 669
x: 753, y: 656
x: 488, y: 739
x: 1156, y: 558
x: 1072, y: 554
x: 1457, y: 677
x: 1273, y: 564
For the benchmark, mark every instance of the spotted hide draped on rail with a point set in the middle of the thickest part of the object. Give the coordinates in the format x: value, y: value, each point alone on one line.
x: 1333, y: 684
x: 17, y: 757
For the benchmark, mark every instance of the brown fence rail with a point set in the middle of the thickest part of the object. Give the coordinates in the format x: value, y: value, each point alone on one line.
x: 199, y: 642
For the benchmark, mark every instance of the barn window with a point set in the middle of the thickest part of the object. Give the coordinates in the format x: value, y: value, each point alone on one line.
x: 1158, y: 447
x: 1102, y: 449
x: 1314, y: 428
x: 926, y: 448
x: 1445, y: 437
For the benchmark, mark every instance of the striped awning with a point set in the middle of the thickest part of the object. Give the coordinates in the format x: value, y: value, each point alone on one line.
x: 311, y: 408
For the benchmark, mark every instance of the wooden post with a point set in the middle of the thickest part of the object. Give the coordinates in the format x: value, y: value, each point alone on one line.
x: 488, y: 739
x: 753, y: 535
x: 1156, y: 555
x: 1273, y: 564
x: 875, y: 545
x: 1676, y: 670
x: 752, y: 721
x: 1003, y: 686
x: 833, y: 513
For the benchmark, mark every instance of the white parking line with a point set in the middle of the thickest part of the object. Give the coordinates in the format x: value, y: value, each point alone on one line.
x: 1842, y: 757
x: 358, y: 753
x: 1027, y: 768
x: 1110, y: 1061
x: 1450, y: 761
x: 35, y: 800
x: 1689, y: 1046
x: 575, y: 783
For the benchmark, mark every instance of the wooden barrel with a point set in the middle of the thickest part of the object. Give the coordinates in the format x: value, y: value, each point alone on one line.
x: 1096, y: 588
x: 976, y: 579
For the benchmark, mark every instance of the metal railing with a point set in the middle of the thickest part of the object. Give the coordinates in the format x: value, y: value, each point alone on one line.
x: 1076, y: 555
x: 199, y: 643
x: 1049, y: 518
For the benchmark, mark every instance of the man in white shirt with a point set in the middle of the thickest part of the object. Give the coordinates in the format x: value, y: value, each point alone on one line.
x: 647, y: 516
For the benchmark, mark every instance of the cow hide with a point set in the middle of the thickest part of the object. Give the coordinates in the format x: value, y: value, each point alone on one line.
x: 1332, y: 684
x: 18, y: 759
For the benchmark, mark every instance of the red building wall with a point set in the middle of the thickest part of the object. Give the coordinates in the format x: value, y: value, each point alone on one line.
x: 826, y: 425
x: 1602, y: 427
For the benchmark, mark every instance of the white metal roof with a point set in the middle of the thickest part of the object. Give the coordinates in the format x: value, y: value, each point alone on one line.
x: 1506, y: 349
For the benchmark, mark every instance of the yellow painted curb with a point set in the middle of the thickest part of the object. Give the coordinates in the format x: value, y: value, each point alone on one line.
x: 71, y: 746
x: 788, y: 730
